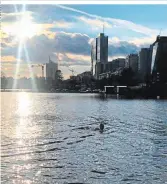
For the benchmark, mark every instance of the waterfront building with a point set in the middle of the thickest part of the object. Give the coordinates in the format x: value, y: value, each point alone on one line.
x: 109, y: 74
x: 132, y: 62
x: 84, y: 77
x: 50, y: 69
x: 159, y: 60
x: 99, y: 55
x: 85, y: 74
x: 144, y: 65
x: 116, y: 64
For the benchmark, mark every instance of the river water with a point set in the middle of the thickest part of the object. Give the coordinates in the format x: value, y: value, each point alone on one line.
x: 54, y: 138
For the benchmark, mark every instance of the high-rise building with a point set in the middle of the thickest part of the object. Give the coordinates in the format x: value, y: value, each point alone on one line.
x: 93, y: 56
x: 132, y: 61
x: 159, y: 60
x: 144, y: 66
x: 99, y: 54
x: 50, y: 69
x: 116, y: 64
x: 102, y: 48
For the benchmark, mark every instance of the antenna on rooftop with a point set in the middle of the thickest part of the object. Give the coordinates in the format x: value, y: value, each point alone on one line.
x: 160, y: 32
x: 103, y: 27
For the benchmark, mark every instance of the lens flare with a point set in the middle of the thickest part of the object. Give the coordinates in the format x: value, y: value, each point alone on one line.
x: 25, y: 29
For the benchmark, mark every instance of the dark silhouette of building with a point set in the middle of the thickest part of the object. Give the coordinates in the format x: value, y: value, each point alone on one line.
x: 144, y: 65
x: 132, y: 62
x: 116, y: 64
x: 159, y: 60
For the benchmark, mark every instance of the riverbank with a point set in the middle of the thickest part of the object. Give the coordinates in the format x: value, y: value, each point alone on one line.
x: 152, y: 92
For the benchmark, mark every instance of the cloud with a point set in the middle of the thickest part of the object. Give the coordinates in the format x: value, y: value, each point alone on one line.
x: 145, y: 41
x: 9, y: 58
x: 40, y: 47
x: 15, y: 16
x: 122, y: 48
x: 62, y: 24
x: 71, y: 46
x: 14, y: 23
x: 94, y: 23
x: 72, y: 43
x: 69, y: 59
x: 115, y: 22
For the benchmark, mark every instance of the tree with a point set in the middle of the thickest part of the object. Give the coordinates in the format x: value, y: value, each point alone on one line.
x: 58, y: 75
x: 127, y: 77
x: 3, y: 82
x: 58, y: 78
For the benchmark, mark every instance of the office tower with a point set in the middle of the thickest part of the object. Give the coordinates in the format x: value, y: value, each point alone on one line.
x: 159, y: 60
x: 132, y: 61
x: 50, y: 69
x: 144, y: 66
x: 99, y: 54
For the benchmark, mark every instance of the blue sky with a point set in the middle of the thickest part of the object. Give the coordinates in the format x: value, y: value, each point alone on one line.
x: 65, y: 32
x: 153, y: 16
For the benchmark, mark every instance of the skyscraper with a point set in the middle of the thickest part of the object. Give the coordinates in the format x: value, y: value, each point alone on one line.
x: 50, y: 69
x: 132, y: 61
x: 144, y: 64
x: 99, y: 54
x: 116, y: 64
x: 102, y: 48
x: 159, y: 60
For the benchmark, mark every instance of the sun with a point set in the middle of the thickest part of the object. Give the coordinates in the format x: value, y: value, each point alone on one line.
x: 23, y: 28
x: 26, y: 28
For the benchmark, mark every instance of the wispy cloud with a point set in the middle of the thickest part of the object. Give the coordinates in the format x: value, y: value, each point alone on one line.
x: 115, y: 22
x: 15, y: 16
x: 62, y: 24
x: 94, y: 23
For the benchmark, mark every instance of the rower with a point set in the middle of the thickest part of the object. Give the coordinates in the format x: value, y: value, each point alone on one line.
x: 101, y: 127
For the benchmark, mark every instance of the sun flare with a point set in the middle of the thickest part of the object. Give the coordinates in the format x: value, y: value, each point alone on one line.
x: 23, y: 28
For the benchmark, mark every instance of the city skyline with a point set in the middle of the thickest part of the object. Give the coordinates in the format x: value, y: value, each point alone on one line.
x: 65, y: 33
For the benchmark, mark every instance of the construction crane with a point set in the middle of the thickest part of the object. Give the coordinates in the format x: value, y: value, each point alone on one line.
x: 66, y: 65
x: 39, y: 65
x: 72, y: 70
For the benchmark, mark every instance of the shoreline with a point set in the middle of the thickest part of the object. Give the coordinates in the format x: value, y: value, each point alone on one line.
x: 100, y: 95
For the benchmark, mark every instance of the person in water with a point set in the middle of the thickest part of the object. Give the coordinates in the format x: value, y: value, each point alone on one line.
x: 101, y: 127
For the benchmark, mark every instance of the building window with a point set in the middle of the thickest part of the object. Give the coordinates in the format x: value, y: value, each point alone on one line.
x: 154, y: 57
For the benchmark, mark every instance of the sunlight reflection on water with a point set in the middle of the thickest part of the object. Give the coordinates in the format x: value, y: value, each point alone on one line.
x: 49, y: 138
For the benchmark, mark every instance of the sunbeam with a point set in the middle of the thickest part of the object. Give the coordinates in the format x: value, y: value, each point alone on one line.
x: 19, y: 52
x: 22, y: 34
x: 29, y: 67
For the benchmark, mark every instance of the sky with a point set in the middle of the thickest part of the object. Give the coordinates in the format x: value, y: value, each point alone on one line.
x: 32, y: 33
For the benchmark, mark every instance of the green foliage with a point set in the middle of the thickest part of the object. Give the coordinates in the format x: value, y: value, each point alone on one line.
x: 58, y: 76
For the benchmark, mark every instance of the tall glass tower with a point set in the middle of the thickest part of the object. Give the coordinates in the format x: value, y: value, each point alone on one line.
x: 159, y: 60
x: 99, y: 54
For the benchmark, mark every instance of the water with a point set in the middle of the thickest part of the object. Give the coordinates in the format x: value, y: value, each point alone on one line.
x: 54, y: 138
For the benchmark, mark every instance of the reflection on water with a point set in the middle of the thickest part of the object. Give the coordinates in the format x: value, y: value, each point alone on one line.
x: 24, y: 104
x: 23, y: 112
x: 49, y: 138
